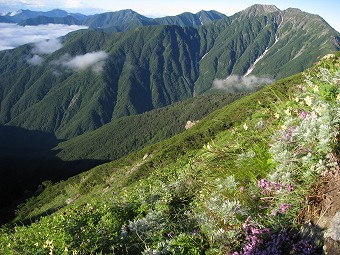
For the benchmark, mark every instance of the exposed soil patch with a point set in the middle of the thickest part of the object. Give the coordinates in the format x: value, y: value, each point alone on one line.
x: 323, y: 209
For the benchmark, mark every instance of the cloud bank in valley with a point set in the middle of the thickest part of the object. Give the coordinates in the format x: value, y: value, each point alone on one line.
x: 13, y: 35
x: 42, y: 48
x: 36, y: 60
x: 47, y: 46
x: 237, y: 84
x: 95, y: 60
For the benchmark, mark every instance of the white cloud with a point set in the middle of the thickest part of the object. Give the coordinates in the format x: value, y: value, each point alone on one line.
x: 23, y: 3
x: 81, y: 6
x: 95, y: 60
x: 73, y: 4
x: 36, y: 60
x: 47, y: 46
x: 44, y: 47
x: 236, y: 83
x: 12, y: 35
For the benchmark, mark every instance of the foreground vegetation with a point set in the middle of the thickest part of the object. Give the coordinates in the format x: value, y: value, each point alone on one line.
x: 236, y: 182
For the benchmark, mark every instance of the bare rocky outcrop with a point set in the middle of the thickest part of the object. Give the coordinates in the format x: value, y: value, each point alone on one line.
x: 328, y: 56
x: 332, y: 236
x: 325, y: 213
x: 190, y: 123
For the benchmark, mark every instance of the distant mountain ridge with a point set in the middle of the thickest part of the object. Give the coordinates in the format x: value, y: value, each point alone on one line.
x: 5, y: 20
x: 22, y: 15
x: 123, y: 19
x: 43, y: 20
x: 120, y: 19
x: 128, y: 19
x: 192, y: 20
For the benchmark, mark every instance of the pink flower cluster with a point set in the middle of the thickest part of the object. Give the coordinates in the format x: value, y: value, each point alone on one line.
x: 303, y: 115
x: 265, y: 242
x: 253, y: 236
x: 289, y: 134
x: 284, y: 207
x: 269, y: 187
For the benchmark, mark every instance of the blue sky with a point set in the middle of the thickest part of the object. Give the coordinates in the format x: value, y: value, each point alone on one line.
x: 328, y: 9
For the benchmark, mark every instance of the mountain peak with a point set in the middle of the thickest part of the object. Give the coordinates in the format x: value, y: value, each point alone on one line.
x: 125, y: 12
x: 296, y: 10
x: 128, y: 11
x: 211, y: 13
x: 11, y: 14
x: 259, y: 9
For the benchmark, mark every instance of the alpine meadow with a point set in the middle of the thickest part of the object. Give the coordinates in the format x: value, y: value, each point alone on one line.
x: 199, y: 133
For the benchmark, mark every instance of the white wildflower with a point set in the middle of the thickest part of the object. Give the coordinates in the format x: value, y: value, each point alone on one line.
x: 260, y: 124
x: 309, y: 82
x: 316, y: 89
x: 288, y: 111
x: 308, y: 100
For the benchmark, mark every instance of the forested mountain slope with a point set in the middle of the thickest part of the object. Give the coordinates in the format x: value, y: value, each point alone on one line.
x: 94, y: 77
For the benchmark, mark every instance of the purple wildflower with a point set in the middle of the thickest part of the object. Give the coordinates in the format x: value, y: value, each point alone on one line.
x: 196, y: 231
x: 268, y: 186
x: 298, y: 151
x: 303, y: 115
x: 286, y: 137
x: 170, y: 234
x: 268, y: 243
x: 284, y: 207
x: 289, y: 134
x: 289, y: 188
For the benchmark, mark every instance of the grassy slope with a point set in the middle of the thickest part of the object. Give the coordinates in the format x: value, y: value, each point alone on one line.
x: 161, y: 154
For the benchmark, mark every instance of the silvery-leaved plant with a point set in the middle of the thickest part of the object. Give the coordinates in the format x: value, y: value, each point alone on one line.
x: 218, y: 214
x: 310, y: 130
